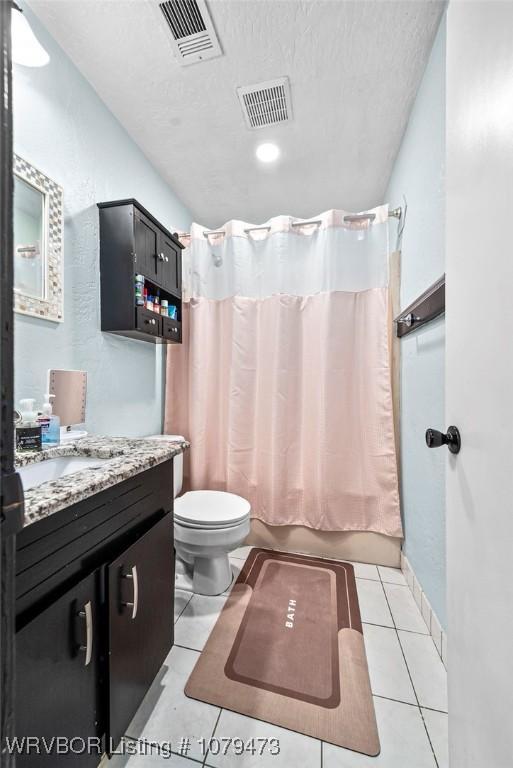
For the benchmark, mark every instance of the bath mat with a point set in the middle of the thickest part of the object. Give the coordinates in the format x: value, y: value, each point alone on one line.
x: 288, y: 648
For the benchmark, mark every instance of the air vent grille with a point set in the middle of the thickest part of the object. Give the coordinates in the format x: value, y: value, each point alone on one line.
x: 193, y: 35
x: 184, y: 18
x: 266, y: 103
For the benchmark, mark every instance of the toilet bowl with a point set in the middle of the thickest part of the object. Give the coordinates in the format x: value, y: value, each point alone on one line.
x: 208, y: 525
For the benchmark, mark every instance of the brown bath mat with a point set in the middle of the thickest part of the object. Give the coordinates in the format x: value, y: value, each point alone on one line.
x: 288, y: 648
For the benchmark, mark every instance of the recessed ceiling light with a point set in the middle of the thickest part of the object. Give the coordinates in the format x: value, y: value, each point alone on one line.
x: 267, y: 153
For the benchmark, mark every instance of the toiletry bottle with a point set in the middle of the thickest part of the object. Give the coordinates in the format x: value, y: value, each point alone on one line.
x: 139, y: 290
x: 28, y: 432
x: 50, y: 424
x: 43, y: 419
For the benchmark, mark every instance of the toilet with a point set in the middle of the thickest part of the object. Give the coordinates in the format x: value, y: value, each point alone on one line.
x: 208, y: 525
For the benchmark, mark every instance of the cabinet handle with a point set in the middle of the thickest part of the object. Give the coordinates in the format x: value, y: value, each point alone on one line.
x: 161, y: 256
x: 167, y: 258
x: 87, y: 614
x: 134, y: 578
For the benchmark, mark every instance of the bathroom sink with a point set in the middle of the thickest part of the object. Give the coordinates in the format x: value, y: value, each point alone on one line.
x: 53, y: 469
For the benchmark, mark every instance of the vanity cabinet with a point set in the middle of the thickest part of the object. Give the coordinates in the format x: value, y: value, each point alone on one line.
x: 95, y: 608
x: 57, y: 692
x: 133, y: 242
x: 140, y: 588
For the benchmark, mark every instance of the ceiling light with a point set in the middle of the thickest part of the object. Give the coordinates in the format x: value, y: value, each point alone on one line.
x: 26, y: 48
x: 267, y: 153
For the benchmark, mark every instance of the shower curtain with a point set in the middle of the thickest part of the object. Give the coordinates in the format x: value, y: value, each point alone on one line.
x: 282, y: 383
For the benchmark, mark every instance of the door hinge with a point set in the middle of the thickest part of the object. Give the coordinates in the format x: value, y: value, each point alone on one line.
x: 12, y: 504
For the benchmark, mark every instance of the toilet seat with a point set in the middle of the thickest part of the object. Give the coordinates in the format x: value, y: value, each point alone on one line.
x: 210, y: 510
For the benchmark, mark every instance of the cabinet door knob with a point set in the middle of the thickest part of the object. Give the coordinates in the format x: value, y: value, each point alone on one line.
x: 161, y: 256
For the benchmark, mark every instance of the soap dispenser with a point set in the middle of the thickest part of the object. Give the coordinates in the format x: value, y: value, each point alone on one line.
x: 50, y: 424
x: 28, y: 432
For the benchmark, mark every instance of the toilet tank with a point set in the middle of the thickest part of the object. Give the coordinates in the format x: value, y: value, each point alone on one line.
x: 177, y: 462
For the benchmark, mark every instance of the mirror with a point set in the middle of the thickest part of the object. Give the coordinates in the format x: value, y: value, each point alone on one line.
x: 69, y: 389
x: 29, y: 239
x: 38, y: 229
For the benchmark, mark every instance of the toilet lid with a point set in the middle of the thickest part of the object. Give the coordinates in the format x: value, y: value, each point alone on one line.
x: 211, y: 509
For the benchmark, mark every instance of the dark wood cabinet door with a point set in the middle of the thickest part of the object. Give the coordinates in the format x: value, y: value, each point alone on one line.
x: 141, y: 617
x: 57, y: 679
x: 170, y: 265
x: 146, y: 246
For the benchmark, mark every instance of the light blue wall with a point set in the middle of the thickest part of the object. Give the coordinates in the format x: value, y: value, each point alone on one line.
x: 62, y: 127
x: 419, y: 175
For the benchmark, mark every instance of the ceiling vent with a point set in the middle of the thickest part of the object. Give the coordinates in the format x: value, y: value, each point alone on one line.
x: 193, y: 35
x: 266, y: 103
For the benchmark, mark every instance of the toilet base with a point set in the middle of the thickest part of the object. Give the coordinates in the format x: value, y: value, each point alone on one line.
x: 211, y: 575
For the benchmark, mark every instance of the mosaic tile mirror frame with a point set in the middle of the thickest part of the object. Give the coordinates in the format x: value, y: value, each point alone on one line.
x: 38, y: 243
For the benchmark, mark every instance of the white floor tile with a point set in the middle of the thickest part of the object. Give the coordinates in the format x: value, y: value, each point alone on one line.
x: 373, y: 604
x: 408, y: 575
x: 294, y: 748
x: 241, y: 553
x: 404, y: 609
x: 426, y: 669
x: 167, y: 714
x: 197, y: 621
x: 437, y: 725
x: 148, y: 756
x: 181, y: 599
x: 404, y: 742
x: 365, y: 571
x: 391, y: 575
x: 387, y: 668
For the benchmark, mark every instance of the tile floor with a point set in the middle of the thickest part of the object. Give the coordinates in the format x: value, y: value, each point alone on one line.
x: 408, y: 681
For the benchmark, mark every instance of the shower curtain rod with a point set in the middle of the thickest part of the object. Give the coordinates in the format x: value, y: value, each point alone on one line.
x: 394, y: 213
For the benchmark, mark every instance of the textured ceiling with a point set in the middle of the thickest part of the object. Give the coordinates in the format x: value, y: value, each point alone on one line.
x: 354, y: 69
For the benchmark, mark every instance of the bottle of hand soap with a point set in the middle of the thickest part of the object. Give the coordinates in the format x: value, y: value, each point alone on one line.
x: 50, y: 424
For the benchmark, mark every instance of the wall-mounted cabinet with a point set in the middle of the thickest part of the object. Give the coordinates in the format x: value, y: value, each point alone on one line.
x: 134, y: 245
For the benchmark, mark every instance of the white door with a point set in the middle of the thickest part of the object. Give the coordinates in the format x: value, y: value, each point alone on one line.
x: 479, y: 324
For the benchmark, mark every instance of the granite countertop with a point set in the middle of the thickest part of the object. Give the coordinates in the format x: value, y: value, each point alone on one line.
x: 129, y: 456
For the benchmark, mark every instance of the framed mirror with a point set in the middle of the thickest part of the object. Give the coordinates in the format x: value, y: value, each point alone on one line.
x: 38, y: 237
